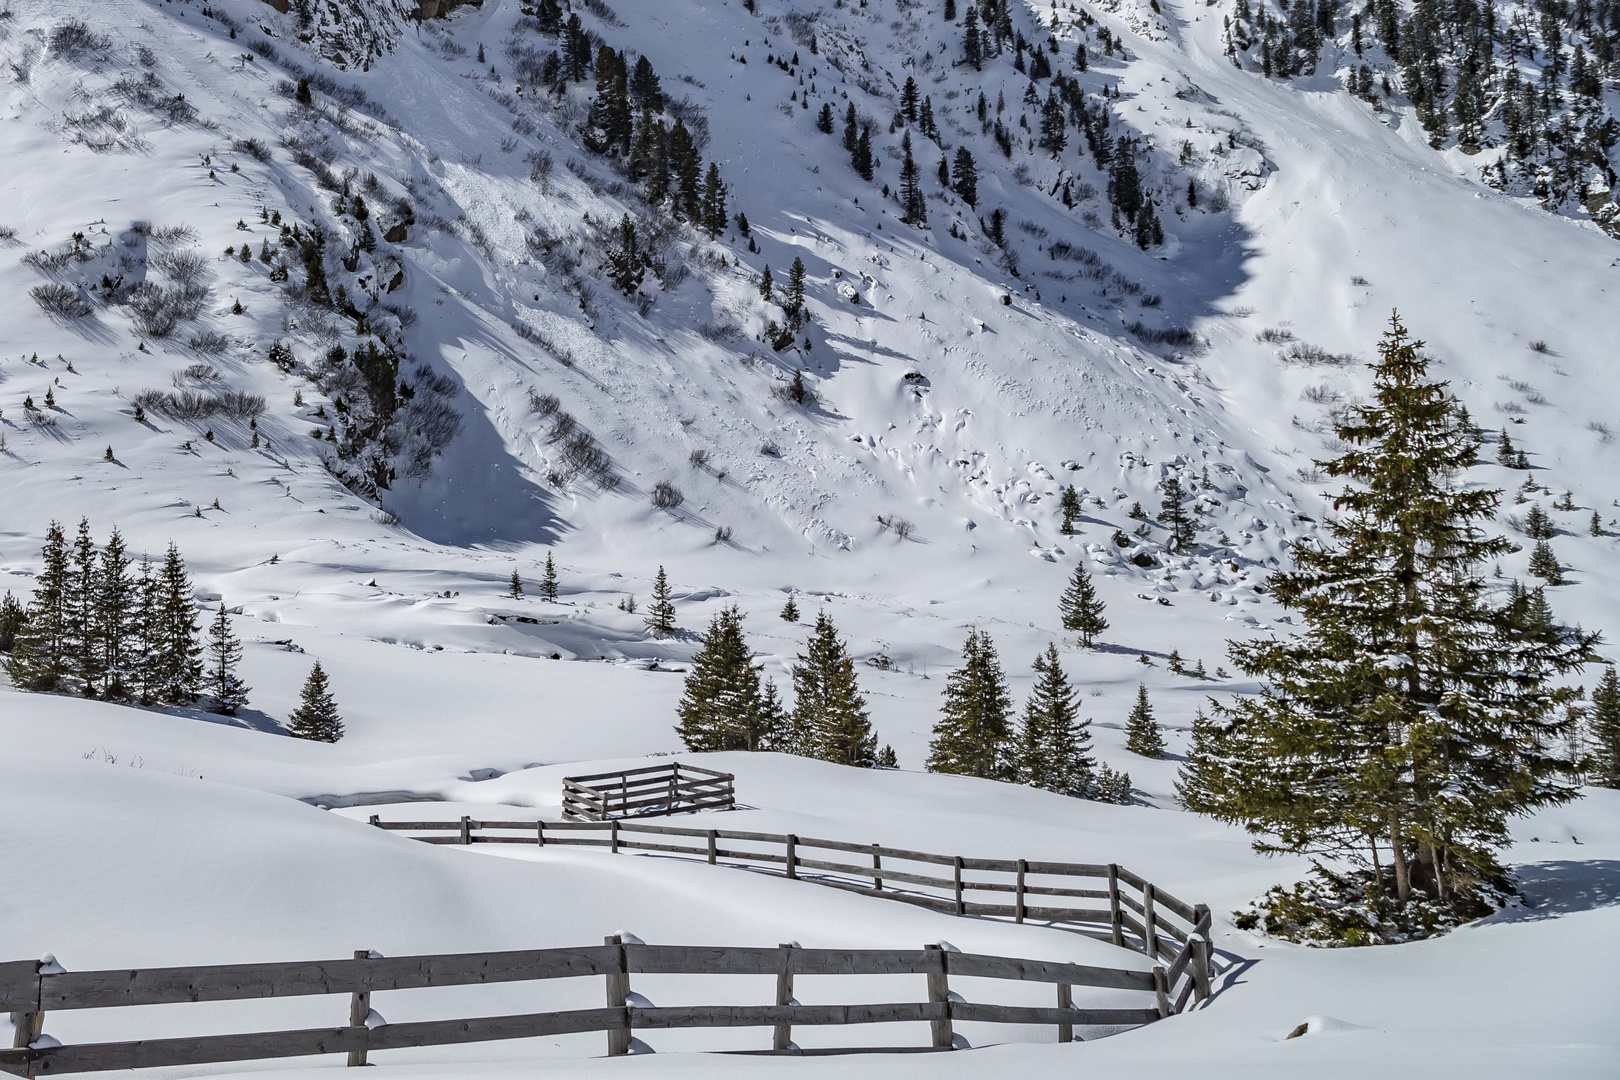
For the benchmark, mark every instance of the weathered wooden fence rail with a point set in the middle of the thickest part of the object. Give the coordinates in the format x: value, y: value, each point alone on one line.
x: 676, y: 788
x: 1101, y: 900
x: 32, y: 991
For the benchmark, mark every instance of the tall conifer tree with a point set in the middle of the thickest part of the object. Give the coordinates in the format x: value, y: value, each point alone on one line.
x: 661, y: 612
x: 720, y: 702
x: 1080, y: 608
x: 973, y: 734
x: 228, y: 691
x: 828, y: 706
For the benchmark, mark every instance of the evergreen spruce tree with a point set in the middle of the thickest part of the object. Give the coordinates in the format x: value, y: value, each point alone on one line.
x: 224, y: 653
x: 660, y: 618
x: 720, y: 703
x: 910, y: 99
x: 116, y: 610
x: 790, y: 611
x: 1052, y: 739
x: 12, y: 617
x: 1199, y: 783
x: 83, y: 639
x: 1174, y: 516
x: 1604, y: 721
x: 1054, y: 135
x: 863, y: 155
x: 766, y: 285
x: 317, y: 716
x: 39, y: 657
x: 824, y: 119
x: 795, y: 286
x: 714, y: 202
x: 776, y: 728
x: 180, y: 656
x: 911, y: 194
x: 1142, y: 734
x: 548, y: 581
x: 1412, y: 713
x: 1544, y: 563
x: 626, y: 264
x: 1080, y: 608
x: 972, y: 42
x: 1069, y: 509
x: 828, y: 706
x: 852, y: 129
x: 147, y: 644
x: 973, y: 733
x: 514, y: 588
x: 965, y: 177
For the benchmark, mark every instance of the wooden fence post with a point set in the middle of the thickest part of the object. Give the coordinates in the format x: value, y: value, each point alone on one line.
x: 674, y: 778
x: 540, y: 833
x: 1161, y: 990
x: 1018, y: 902
x: 792, y: 856
x: 956, y: 864
x: 613, y: 844
x: 714, y: 837
x: 939, y: 992
x: 1150, y: 930
x: 1201, y: 969
x: 1065, y: 998
x: 782, y: 1036
x: 1116, y: 918
x: 359, y: 1009
x: 466, y: 829
x: 376, y: 820
x: 618, y: 992
x: 877, y: 867
x: 30, y: 1024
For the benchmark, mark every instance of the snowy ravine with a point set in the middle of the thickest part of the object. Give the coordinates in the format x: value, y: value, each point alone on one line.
x: 957, y: 385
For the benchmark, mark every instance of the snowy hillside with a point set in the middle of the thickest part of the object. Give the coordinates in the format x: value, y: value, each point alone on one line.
x: 326, y: 298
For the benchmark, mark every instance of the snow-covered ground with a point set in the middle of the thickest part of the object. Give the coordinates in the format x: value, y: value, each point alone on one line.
x: 148, y: 838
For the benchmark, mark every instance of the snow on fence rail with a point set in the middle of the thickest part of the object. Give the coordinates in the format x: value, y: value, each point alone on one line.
x: 675, y: 788
x: 31, y: 990
x: 1161, y: 926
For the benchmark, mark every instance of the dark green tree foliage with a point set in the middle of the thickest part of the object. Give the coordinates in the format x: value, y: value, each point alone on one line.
x: 720, y: 707
x: 1053, y: 742
x: 794, y: 301
x: 1412, y: 713
x: 862, y: 158
x: 686, y: 168
x: 911, y: 193
x: 1080, y: 608
x: 852, y: 129
x: 84, y: 636
x: 608, y: 128
x: 1142, y: 733
x: 1537, y: 525
x: 972, y: 41
x: 576, y: 50
x: 1604, y: 730
x: 316, y: 717
x: 910, y: 99
x: 626, y: 263
x: 39, y: 657
x: 767, y: 286
x: 1174, y: 516
x: 965, y: 177
x: 1199, y: 784
x: 178, y: 655
x: 12, y: 617
x: 829, y: 711
x: 224, y: 686
x: 824, y: 119
x: 714, y: 202
x: 645, y: 89
x: 660, y: 619
x: 1054, y: 131
x: 514, y: 588
x: 790, y: 611
x: 1069, y: 508
x: 1544, y: 563
x: 972, y: 736
x: 116, y: 609
x: 548, y: 581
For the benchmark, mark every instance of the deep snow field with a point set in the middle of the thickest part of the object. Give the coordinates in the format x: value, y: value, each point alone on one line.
x: 148, y: 838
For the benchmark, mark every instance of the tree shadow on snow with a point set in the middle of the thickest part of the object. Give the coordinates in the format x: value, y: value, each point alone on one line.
x: 1561, y: 887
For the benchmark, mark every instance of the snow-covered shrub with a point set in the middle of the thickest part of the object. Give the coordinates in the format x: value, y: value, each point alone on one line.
x: 210, y: 343
x: 666, y: 496
x: 158, y: 310
x: 1331, y: 909
x: 61, y: 300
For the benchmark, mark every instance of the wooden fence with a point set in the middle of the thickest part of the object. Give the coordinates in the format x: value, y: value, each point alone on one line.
x: 655, y: 790
x: 1105, y: 901
x: 31, y: 992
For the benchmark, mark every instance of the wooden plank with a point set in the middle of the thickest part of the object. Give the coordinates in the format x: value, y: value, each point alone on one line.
x: 939, y: 994
x: 916, y: 879
x: 618, y: 995
x: 782, y: 1035
x: 1057, y: 890
x: 836, y: 868
x: 751, y: 856
x: 618, y: 775
x: 916, y: 856
x: 208, y: 1049
x: 1068, y: 869
x: 419, y: 826
x: 1185, y: 910
x: 19, y: 986
x: 1047, y: 971
x: 1131, y: 879
x: 1053, y: 914
x: 643, y: 845
x: 706, y: 1016
x: 1200, y: 967
x: 729, y: 960
x: 237, y: 982
x: 1179, y: 963
x: 1131, y: 924
x: 1181, y: 999
x: 1006, y: 866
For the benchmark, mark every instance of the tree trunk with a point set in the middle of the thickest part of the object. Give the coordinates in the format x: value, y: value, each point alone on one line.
x: 1403, y: 880
x: 1378, y: 870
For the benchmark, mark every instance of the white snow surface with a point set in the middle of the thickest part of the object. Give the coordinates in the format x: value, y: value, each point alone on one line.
x: 147, y: 838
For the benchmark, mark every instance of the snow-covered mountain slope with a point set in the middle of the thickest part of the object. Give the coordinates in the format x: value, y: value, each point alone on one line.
x: 516, y: 405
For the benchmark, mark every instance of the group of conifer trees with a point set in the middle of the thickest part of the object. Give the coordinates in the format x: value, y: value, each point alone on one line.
x: 1418, y: 711
x: 725, y: 706
x: 1048, y: 748
x: 102, y: 625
